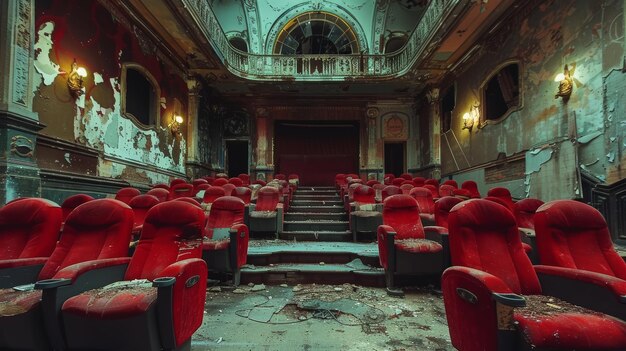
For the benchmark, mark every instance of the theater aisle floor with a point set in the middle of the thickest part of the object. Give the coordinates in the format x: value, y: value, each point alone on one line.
x: 322, y: 317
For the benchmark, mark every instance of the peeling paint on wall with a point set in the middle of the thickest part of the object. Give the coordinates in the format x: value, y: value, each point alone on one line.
x: 48, y: 69
x: 537, y: 157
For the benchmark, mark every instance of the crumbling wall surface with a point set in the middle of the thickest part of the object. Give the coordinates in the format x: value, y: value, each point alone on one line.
x: 614, y: 145
x: 102, y: 41
x: 585, y: 35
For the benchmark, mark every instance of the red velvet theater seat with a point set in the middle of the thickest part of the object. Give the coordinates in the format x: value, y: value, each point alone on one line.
x: 95, y: 233
x: 525, y: 212
x: 181, y: 190
x: 390, y: 190
x: 365, y: 215
x: 406, y: 187
x: 220, y: 182
x: 446, y: 190
x: 403, y: 246
x: 442, y: 209
x: 225, y: 248
x: 235, y: 181
x: 161, y: 186
x: 388, y: 179
x: 266, y: 216
x: 177, y: 181
x: 228, y: 189
x: 472, y: 187
x: 159, y: 193
x: 574, y: 240
x: 425, y: 203
x: 406, y: 176
x: 210, y: 195
x: 243, y: 193
x: 29, y: 229
x: 140, y: 205
x: 419, y: 181
x: 244, y: 178
x: 483, y: 292
x: 72, y: 202
x: 432, y: 182
x: 340, y: 180
x: 189, y: 200
x: 398, y: 181
x: 160, y: 302
x: 504, y: 195
x: 434, y: 191
x: 378, y: 188
x: 209, y: 180
x: 260, y: 182
x: 280, y: 176
x: 125, y: 194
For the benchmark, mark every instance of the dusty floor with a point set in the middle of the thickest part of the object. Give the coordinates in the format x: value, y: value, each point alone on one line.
x: 322, y: 317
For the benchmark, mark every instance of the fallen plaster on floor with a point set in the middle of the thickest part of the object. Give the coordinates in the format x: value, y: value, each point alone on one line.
x: 259, y: 317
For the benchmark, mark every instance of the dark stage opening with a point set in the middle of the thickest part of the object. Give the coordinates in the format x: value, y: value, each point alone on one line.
x: 237, y: 157
x: 394, y: 158
x: 316, y: 151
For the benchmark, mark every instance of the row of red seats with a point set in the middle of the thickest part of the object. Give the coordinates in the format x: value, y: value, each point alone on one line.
x: 491, y: 269
x: 84, y: 290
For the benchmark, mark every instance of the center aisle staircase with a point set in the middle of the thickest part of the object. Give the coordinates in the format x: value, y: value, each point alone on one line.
x: 314, y: 247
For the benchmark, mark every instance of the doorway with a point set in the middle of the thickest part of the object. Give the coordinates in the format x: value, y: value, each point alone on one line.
x: 236, y: 157
x: 395, y: 158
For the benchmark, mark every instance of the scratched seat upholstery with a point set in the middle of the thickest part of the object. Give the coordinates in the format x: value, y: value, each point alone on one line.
x: 402, y: 244
x: 494, y: 298
x: 266, y: 215
x: 96, y: 230
x: 159, y: 303
x: 243, y: 193
x: 181, y: 190
x: 525, y: 212
x: 504, y: 195
x: 141, y: 205
x: 225, y: 248
x: 442, y: 209
x: 160, y: 193
x: 472, y: 187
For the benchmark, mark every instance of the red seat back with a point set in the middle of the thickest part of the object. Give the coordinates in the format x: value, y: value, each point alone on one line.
x: 398, y: 181
x: 402, y: 214
x: 267, y: 199
x: 29, y: 228
x: 181, y: 190
x: 442, y: 209
x: 364, y: 194
x: 197, y: 183
x: 432, y: 182
x: 503, y: 194
x: 161, y: 186
x: 574, y: 235
x: 177, y: 181
x: 236, y: 182
x: 260, y: 182
x: 228, y: 189
x: 97, y: 229
x: 171, y: 232
x: 125, y: 194
x: 483, y: 235
x: 406, y: 187
x: 406, y: 176
x: 372, y: 182
x: 72, y: 202
x: 209, y: 180
x: 140, y: 205
x: 159, y: 193
x: 446, y: 190
x: 452, y: 183
x: 424, y: 199
x: 472, y: 187
x: 280, y: 176
x: 189, y: 200
x: 525, y: 212
x: 434, y: 191
x: 220, y: 182
x: 242, y: 193
x: 244, y: 178
x: 213, y: 193
x: 390, y: 190
x: 419, y: 181
x: 225, y: 212
x: 388, y: 179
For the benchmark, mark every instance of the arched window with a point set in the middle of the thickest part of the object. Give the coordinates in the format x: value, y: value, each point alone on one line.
x: 501, y: 92
x: 140, y: 95
x: 316, y: 33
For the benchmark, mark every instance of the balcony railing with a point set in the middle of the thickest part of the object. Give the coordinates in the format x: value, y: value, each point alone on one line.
x: 320, y: 67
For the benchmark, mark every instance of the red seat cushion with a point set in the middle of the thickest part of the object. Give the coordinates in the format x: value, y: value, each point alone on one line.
x: 110, y: 303
x: 209, y: 244
x: 418, y: 245
x: 14, y: 302
x: 547, y: 323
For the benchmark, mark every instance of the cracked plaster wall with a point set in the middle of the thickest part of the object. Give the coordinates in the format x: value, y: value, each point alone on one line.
x: 102, y: 41
x: 586, y: 35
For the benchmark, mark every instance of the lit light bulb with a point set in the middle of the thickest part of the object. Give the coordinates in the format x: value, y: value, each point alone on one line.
x: 178, y: 119
x: 559, y: 77
x: 81, y: 71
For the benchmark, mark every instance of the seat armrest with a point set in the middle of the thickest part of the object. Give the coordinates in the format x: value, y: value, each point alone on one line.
x: 435, y: 233
x: 239, y: 238
x: 596, y: 291
x: 526, y: 232
x: 74, y: 271
x: 181, y: 289
x: 52, y: 283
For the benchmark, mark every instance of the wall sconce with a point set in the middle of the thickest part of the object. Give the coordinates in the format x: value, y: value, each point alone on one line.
x: 566, y: 84
x: 75, y: 80
x: 471, y: 118
x: 174, y: 125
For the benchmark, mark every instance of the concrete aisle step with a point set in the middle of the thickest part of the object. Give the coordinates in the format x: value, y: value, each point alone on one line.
x: 303, y: 216
x: 316, y: 235
x: 316, y: 209
x: 316, y: 225
x: 329, y: 197
x: 266, y: 252
x: 329, y: 203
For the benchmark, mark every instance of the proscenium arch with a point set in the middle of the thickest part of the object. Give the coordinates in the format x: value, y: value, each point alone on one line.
x: 316, y: 33
x: 304, y: 7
